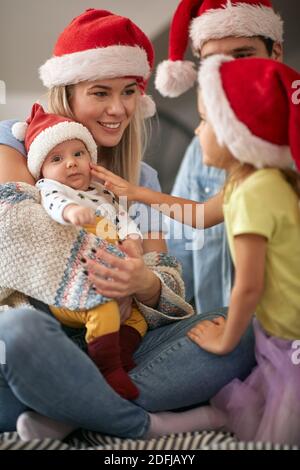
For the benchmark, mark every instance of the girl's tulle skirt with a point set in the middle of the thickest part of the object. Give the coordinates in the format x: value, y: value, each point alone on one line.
x: 266, y: 406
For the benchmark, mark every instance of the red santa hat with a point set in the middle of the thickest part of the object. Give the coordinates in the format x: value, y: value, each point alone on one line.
x: 211, y: 19
x: 43, y: 131
x: 100, y: 45
x: 252, y: 108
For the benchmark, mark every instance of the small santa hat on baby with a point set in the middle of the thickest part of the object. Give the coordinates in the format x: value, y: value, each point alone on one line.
x: 101, y: 45
x: 254, y: 108
x: 43, y: 131
x: 203, y: 20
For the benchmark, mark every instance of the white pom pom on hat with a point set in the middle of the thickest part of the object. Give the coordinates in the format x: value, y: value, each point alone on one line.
x: 174, y: 78
x: 19, y: 130
x: 147, y: 106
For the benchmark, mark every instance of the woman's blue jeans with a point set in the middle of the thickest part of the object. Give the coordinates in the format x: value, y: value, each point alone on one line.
x: 46, y: 371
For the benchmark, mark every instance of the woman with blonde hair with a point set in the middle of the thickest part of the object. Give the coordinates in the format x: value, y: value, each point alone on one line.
x: 97, y: 76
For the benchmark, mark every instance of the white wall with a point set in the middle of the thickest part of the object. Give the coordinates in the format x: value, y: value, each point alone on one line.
x: 28, y: 31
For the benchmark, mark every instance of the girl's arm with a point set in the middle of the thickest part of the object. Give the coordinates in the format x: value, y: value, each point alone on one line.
x: 221, y: 337
x: 182, y: 210
x: 198, y: 215
x: 248, y: 287
x: 13, y: 166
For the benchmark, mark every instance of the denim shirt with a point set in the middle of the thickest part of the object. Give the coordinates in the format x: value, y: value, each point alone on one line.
x: 204, y: 254
x: 147, y: 219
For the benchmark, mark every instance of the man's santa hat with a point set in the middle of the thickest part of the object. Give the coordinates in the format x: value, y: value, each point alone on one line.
x: 101, y: 45
x: 211, y: 19
x: 43, y: 131
x: 252, y: 108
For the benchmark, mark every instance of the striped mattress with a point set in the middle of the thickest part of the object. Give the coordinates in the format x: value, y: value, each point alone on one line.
x: 85, y: 440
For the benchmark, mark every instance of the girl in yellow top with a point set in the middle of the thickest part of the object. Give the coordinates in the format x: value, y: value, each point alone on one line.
x: 249, y: 126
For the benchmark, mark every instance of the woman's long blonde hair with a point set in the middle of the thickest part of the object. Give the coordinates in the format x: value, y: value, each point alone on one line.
x: 125, y: 158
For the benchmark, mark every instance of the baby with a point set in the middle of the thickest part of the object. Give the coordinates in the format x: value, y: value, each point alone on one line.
x: 61, y: 152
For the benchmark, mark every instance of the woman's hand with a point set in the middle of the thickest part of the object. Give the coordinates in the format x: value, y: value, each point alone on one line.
x: 133, y: 242
x: 123, y: 277
x: 208, y: 334
x: 114, y: 183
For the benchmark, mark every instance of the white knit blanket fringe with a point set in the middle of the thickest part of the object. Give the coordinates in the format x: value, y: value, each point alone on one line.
x: 41, y: 259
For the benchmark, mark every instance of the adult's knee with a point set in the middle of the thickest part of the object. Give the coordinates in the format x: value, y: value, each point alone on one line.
x: 17, y: 325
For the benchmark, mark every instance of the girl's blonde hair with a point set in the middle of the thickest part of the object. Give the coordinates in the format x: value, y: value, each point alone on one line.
x: 242, y: 170
x: 237, y: 175
x: 125, y: 158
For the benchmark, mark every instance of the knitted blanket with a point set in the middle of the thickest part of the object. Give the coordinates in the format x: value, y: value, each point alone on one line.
x: 41, y: 259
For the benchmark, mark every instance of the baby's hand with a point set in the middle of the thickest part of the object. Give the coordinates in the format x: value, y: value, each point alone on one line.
x: 78, y: 215
x: 114, y: 183
x: 133, y: 242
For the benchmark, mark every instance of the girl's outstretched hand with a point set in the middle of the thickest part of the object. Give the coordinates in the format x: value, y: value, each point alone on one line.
x: 208, y: 334
x: 114, y: 183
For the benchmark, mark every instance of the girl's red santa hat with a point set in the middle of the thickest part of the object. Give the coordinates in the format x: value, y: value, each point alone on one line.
x: 203, y: 20
x: 43, y: 131
x: 101, y: 45
x: 251, y: 105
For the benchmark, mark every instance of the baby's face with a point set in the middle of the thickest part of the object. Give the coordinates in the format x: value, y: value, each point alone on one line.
x: 69, y: 164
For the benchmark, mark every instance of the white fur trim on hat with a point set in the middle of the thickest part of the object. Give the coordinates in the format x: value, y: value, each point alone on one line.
x: 239, y: 20
x: 95, y: 64
x: 19, y: 129
x: 54, y: 135
x: 234, y: 134
x: 147, y: 106
x: 175, y: 77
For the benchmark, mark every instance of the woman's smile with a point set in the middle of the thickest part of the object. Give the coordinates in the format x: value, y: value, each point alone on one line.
x: 110, y: 126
